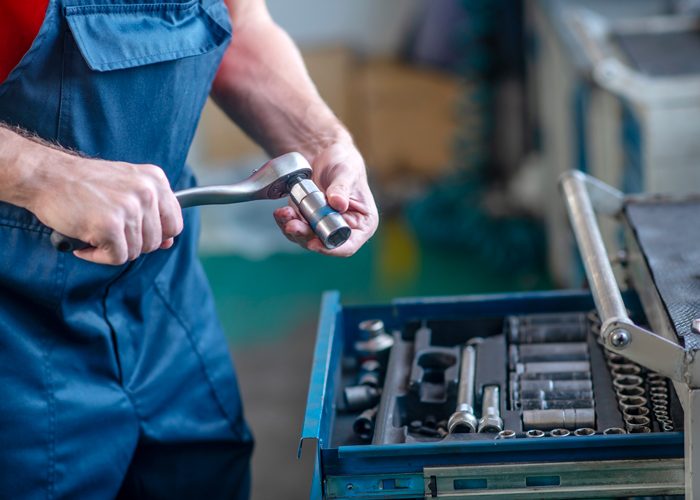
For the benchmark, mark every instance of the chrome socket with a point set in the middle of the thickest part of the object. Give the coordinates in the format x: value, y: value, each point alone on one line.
x: 534, y: 433
x: 630, y: 401
x: 635, y: 411
x: 614, y: 430
x: 630, y: 391
x: 506, y: 434
x: 627, y: 381
x: 637, y: 421
x: 638, y: 430
x: 559, y: 432
x: 626, y: 369
x: 585, y: 431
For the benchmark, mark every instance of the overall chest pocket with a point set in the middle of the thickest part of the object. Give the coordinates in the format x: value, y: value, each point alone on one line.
x: 136, y: 75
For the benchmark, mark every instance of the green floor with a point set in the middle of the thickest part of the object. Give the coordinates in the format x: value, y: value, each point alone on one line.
x: 263, y: 300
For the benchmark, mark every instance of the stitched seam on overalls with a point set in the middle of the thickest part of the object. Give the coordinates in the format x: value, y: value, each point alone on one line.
x: 127, y: 8
x: 27, y: 227
x: 151, y: 58
x: 60, y: 282
x: 31, y: 53
x: 51, y: 405
x: 203, y: 365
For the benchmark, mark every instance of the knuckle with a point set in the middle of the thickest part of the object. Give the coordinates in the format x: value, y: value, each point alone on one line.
x: 131, y: 206
x: 110, y: 228
x: 146, y: 194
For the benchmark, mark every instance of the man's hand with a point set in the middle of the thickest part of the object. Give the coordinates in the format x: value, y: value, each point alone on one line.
x: 339, y: 171
x: 122, y: 210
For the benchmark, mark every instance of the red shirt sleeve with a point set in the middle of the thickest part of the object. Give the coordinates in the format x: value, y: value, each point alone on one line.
x: 20, y: 21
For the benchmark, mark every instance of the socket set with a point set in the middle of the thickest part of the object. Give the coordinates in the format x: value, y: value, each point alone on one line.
x: 555, y: 381
x: 460, y: 397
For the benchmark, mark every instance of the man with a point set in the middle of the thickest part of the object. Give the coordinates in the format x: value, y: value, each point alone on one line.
x: 115, y: 375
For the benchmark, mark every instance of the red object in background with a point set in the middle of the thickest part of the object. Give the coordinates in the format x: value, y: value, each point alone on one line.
x: 20, y: 21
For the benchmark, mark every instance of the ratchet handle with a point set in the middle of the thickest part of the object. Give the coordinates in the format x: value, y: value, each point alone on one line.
x: 63, y: 243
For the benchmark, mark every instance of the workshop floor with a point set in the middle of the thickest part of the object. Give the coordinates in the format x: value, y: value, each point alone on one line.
x: 269, y: 309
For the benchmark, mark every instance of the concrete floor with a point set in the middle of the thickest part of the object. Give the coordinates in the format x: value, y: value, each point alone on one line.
x: 274, y: 381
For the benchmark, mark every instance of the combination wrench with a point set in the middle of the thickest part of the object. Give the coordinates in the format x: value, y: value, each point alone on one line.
x: 286, y: 175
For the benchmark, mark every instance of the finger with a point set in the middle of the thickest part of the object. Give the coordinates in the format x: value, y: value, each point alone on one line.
x: 114, y: 255
x: 292, y: 226
x: 284, y: 214
x: 134, y: 239
x: 338, y: 192
x: 170, y: 215
x: 167, y: 244
x: 151, y: 231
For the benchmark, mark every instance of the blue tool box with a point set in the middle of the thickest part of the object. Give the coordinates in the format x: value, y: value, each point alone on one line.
x: 563, y: 394
x: 471, y: 465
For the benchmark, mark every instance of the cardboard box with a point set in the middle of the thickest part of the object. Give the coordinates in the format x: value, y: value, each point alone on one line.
x: 409, y: 120
x: 220, y: 142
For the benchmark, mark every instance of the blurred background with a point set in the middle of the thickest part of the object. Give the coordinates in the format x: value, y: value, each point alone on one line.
x: 466, y: 111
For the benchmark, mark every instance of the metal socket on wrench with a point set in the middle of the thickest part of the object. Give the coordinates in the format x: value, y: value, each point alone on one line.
x: 329, y: 225
x: 490, y: 420
x: 463, y: 419
x: 552, y: 419
x: 279, y: 177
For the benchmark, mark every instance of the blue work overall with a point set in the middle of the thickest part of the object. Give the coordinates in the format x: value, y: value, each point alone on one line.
x: 116, y: 381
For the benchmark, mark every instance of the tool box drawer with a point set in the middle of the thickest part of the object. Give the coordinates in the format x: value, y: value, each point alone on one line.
x: 549, y: 413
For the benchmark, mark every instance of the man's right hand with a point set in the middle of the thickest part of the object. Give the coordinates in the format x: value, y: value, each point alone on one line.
x: 122, y: 210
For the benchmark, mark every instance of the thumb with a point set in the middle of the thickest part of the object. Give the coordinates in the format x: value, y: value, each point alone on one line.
x: 338, y: 194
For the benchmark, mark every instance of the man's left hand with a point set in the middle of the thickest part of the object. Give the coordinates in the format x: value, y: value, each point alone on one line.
x: 339, y: 171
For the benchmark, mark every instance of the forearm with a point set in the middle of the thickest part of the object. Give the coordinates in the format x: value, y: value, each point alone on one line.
x: 263, y: 86
x: 23, y: 161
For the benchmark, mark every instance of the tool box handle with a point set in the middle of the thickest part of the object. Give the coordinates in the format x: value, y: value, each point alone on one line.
x: 606, y: 293
x: 618, y: 332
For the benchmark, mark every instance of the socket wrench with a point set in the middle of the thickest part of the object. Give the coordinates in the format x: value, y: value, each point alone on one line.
x: 463, y: 419
x: 288, y: 174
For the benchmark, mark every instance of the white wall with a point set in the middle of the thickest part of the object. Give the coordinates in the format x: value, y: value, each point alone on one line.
x: 370, y: 26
